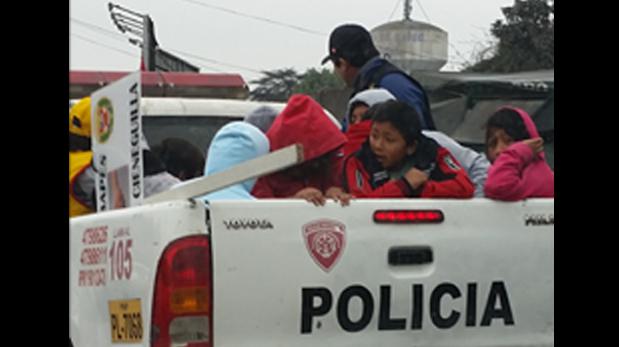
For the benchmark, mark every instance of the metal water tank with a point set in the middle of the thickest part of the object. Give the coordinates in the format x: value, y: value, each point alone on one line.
x: 412, y: 45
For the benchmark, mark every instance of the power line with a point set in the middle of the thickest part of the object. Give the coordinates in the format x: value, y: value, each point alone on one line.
x: 130, y: 54
x: 394, y: 8
x: 93, y: 27
x: 116, y: 35
x: 422, y: 10
x: 449, y: 43
x: 458, y: 52
x: 263, y: 19
x: 210, y: 68
x: 216, y: 61
x: 104, y: 45
x: 468, y: 42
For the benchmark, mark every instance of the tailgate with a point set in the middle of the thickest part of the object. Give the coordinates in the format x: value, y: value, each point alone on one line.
x: 287, y: 273
x: 112, y: 268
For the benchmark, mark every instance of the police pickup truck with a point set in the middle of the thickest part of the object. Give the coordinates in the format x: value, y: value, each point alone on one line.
x: 178, y: 271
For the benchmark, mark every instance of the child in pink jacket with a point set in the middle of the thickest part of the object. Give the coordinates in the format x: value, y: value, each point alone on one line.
x: 515, y: 149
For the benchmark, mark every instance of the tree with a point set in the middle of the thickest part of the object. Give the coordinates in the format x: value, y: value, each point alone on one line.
x: 276, y: 85
x: 525, y: 39
x: 279, y: 85
x: 313, y: 81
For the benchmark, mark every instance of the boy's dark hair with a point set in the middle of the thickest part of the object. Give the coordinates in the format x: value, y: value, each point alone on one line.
x: 401, y: 116
x: 152, y: 164
x: 371, y: 112
x: 180, y: 157
x: 510, y: 121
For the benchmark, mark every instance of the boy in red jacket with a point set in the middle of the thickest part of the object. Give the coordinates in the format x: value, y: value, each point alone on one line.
x: 399, y: 161
x: 515, y: 149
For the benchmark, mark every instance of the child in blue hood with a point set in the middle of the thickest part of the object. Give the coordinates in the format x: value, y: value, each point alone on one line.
x: 234, y: 144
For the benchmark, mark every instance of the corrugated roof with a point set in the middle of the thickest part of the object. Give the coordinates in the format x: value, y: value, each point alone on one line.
x: 542, y: 80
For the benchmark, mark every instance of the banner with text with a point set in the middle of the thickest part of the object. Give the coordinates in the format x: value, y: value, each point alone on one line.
x: 116, y: 137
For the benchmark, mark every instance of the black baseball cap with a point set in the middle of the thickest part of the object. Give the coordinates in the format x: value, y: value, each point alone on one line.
x: 348, y: 41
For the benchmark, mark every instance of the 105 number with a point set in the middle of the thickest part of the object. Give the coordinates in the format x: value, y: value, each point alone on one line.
x: 120, y: 258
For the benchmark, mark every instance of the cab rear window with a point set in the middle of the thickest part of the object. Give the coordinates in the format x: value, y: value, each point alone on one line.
x: 195, y: 129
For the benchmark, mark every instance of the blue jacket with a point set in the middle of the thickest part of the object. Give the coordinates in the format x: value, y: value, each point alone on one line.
x: 398, y: 84
x: 234, y: 144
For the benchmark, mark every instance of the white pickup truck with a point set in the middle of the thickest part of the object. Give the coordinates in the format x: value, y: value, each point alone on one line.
x: 405, y: 272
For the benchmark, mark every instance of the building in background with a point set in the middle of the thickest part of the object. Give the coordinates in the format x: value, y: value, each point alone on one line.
x: 164, y: 84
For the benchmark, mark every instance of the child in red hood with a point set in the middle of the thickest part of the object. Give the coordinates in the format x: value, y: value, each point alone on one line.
x: 398, y: 161
x: 515, y: 149
x: 304, y: 121
x: 357, y: 121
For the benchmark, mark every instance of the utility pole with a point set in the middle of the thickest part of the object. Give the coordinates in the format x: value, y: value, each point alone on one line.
x: 408, y: 8
x: 141, y: 31
x: 150, y: 44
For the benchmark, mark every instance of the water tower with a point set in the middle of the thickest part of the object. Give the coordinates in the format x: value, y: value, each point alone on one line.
x: 412, y: 45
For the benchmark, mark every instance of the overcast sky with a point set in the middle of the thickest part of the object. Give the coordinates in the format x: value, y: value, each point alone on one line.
x: 216, y: 40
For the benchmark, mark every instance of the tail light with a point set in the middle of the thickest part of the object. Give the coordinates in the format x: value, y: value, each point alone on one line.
x: 408, y: 216
x: 182, y: 304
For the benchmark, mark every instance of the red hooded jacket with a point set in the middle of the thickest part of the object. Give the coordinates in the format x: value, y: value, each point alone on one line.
x: 302, y: 121
x: 365, y: 178
x: 357, y: 134
x: 518, y: 173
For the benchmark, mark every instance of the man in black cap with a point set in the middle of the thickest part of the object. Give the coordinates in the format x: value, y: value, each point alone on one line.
x: 357, y: 61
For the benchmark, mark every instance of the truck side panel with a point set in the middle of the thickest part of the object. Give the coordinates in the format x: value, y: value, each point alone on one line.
x: 287, y: 273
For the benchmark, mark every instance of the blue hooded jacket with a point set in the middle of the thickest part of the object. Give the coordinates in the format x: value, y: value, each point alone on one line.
x: 233, y: 144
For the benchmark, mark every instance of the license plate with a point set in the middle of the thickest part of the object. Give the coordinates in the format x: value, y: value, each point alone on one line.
x: 126, y: 320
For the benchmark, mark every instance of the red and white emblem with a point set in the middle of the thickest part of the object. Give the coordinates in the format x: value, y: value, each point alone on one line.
x: 325, y: 240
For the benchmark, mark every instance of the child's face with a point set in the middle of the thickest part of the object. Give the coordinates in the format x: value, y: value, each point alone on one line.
x: 388, y: 144
x: 497, y: 142
x: 357, y: 113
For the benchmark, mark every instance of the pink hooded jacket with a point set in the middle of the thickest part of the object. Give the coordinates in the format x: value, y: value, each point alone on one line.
x: 518, y: 173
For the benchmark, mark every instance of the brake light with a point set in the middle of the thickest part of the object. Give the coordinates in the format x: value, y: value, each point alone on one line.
x: 182, y: 310
x: 408, y: 216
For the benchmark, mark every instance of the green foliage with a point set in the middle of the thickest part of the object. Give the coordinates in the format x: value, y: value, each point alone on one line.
x: 313, y: 81
x: 525, y: 38
x: 276, y: 85
x: 279, y: 85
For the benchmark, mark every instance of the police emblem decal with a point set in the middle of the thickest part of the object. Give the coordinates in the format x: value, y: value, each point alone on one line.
x: 325, y: 241
x: 104, y: 124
